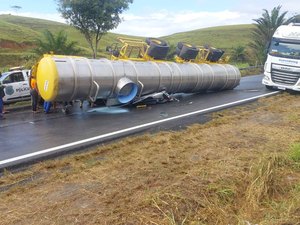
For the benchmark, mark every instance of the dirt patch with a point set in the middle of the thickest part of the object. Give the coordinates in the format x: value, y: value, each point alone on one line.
x: 234, y: 169
x: 14, y: 45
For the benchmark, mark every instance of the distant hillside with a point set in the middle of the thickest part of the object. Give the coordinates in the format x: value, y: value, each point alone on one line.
x: 22, y: 31
x: 224, y: 37
x: 17, y: 35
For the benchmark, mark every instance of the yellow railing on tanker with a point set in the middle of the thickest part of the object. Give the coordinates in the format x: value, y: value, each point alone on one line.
x: 132, y: 46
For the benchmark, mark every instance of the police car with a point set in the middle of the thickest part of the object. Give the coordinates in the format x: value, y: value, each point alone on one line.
x: 16, y: 82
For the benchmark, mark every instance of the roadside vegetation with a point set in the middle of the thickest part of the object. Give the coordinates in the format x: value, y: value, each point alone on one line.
x: 56, y: 43
x: 242, y: 167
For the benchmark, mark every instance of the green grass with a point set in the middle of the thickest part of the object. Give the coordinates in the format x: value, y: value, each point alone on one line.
x: 294, y: 153
x: 224, y: 37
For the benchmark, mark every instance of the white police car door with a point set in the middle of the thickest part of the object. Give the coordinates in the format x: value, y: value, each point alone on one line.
x: 16, y: 86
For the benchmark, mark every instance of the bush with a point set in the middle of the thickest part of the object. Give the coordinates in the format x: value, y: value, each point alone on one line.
x: 294, y: 153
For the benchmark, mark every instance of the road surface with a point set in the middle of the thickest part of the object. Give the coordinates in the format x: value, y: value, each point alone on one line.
x: 27, y: 137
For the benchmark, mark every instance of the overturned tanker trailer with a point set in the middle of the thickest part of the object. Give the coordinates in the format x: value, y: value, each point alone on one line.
x: 66, y: 78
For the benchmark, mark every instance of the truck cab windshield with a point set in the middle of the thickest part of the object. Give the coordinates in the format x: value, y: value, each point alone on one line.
x: 284, y: 49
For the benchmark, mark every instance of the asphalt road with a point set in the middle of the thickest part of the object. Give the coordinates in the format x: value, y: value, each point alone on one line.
x: 27, y: 137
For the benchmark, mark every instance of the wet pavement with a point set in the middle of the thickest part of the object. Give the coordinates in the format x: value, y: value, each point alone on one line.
x: 40, y: 135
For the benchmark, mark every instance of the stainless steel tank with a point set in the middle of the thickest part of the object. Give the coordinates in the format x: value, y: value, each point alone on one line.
x: 65, y: 78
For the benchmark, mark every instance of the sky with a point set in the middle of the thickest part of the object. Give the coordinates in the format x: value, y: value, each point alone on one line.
x: 158, y: 18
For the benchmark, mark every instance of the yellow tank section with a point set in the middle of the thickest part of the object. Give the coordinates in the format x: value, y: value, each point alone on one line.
x: 47, y: 78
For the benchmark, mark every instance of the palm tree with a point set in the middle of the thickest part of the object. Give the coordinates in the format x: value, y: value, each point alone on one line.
x: 238, y: 54
x: 56, y: 44
x: 264, y: 29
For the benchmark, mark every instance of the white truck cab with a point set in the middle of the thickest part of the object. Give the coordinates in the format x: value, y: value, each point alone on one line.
x: 16, y: 82
x: 282, y: 68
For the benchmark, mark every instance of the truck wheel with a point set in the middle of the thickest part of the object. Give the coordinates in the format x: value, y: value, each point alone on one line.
x: 269, y: 87
x: 116, y: 53
x: 178, y: 50
x: 158, y: 49
x: 180, y: 45
x: 214, y: 54
x: 188, y: 52
x: 149, y: 40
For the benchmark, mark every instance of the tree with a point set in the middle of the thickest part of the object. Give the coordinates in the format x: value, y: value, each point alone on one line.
x: 57, y: 44
x: 93, y: 18
x: 264, y: 29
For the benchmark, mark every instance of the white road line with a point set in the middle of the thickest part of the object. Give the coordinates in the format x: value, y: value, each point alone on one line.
x: 73, y: 144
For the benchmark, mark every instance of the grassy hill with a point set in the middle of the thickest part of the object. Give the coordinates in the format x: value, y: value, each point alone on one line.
x: 18, y: 34
x: 224, y: 37
x: 26, y: 30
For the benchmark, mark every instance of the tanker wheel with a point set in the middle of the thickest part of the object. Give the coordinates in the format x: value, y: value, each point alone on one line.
x: 158, y: 41
x: 180, y: 45
x: 116, y: 53
x: 178, y: 50
x: 188, y: 52
x: 158, y: 49
x: 214, y: 54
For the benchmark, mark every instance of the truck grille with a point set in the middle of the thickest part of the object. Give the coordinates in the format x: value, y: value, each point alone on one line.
x: 284, y: 74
